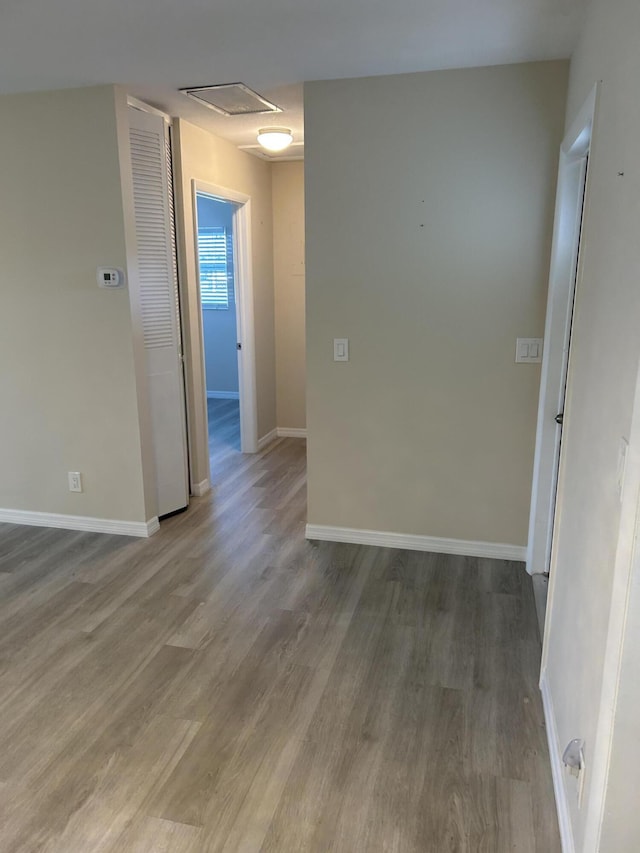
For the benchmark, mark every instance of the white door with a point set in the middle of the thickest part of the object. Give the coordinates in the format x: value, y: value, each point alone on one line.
x: 564, y: 272
x: 159, y: 305
x: 581, y: 183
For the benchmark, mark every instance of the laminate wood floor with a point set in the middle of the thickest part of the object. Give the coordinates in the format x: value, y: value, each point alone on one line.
x: 224, y: 429
x: 228, y: 686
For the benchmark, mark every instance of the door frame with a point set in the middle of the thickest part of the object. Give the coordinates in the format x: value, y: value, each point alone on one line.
x: 564, y: 277
x: 243, y: 286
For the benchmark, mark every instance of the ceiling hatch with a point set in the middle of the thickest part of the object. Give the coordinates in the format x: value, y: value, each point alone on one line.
x: 231, y: 99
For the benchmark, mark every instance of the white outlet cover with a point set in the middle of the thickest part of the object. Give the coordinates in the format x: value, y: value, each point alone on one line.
x: 75, y: 481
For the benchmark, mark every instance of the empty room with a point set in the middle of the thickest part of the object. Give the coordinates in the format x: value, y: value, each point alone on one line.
x: 320, y: 427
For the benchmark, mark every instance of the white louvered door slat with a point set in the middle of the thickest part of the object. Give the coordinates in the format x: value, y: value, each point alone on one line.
x: 159, y: 304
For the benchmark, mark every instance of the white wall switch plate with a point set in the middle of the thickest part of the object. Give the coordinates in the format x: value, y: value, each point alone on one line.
x: 529, y: 350
x: 75, y: 481
x: 341, y: 349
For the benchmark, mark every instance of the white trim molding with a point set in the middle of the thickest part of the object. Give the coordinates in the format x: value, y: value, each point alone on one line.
x: 147, y: 108
x: 565, y: 272
x: 267, y: 439
x: 291, y: 432
x: 223, y: 395
x: 557, y: 770
x: 411, y: 542
x: 201, y: 488
x: 143, y: 529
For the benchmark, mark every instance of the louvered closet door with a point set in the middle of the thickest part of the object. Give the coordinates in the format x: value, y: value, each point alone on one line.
x: 159, y: 307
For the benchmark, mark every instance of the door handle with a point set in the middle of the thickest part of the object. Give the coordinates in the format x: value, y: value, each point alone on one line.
x: 559, y: 418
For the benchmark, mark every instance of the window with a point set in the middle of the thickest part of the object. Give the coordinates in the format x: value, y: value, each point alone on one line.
x: 215, y: 256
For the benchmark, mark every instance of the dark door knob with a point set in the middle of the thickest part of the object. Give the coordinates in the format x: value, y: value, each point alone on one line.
x: 559, y: 418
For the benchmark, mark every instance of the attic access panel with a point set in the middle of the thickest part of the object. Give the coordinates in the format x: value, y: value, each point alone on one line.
x: 231, y: 99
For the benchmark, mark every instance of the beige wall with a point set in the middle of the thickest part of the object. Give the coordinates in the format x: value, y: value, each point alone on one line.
x: 208, y: 158
x: 429, y: 204
x: 288, y: 265
x: 604, y: 364
x: 67, y: 381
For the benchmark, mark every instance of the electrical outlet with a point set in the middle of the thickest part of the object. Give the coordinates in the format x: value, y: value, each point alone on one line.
x: 75, y: 481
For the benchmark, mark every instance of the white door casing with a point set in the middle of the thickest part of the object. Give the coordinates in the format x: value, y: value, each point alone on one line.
x: 244, y: 304
x: 563, y: 280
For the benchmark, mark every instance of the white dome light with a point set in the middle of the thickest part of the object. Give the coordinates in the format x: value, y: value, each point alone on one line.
x: 275, y: 138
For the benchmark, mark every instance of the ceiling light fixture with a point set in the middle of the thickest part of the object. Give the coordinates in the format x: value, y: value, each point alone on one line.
x: 275, y: 138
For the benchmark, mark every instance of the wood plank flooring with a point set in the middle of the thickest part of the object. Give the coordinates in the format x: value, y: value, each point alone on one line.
x: 228, y: 686
x: 224, y: 429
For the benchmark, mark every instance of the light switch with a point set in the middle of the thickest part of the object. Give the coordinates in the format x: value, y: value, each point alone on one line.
x: 341, y: 349
x: 529, y: 350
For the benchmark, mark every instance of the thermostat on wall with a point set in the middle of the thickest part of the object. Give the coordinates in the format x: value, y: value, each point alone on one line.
x: 110, y: 277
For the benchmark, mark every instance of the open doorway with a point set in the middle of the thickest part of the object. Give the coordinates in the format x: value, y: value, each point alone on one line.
x: 223, y: 256
x: 216, y: 272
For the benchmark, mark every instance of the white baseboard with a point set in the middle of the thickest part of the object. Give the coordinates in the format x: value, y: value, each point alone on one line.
x: 435, y: 544
x: 557, y: 770
x: 291, y: 432
x: 223, y: 395
x: 267, y: 439
x: 281, y: 432
x: 201, y: 488
x: 80, y: 522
